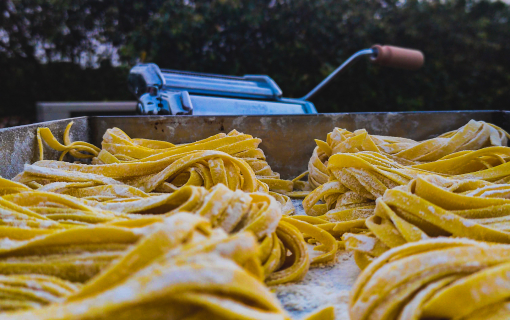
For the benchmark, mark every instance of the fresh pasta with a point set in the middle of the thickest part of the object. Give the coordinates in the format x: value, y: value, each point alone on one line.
x: 127, y: 168
x: 94, y: 226
x: 144, y: 228
x: 232, y: 159
x: 473, y: 136
x: 28, y: 291
x: 439, y: 278
x: 222, y: 158
x: 157, y: 267
x: 182, y: 268
x: 359, y: 179
x: 44, y: 213
x: 359, y: 176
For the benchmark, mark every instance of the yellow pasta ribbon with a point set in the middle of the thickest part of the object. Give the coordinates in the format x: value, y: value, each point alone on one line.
x: 328, y: 243
x: 44, y: 134
x: 433, y: 206
x: 358, y: 179
x: 391, y: 161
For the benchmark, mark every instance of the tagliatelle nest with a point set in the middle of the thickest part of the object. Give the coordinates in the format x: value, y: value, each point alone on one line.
x: 364, y: 171
x: 439, y: 278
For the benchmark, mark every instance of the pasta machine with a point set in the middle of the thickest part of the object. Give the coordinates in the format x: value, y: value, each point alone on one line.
x: 171, y: 92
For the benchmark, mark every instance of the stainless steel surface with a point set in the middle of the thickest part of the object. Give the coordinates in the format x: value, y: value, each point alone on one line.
x: 18, y: 145
x: 287, y: 141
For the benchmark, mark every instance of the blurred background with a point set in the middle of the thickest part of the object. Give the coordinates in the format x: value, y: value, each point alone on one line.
x: 82, y: 50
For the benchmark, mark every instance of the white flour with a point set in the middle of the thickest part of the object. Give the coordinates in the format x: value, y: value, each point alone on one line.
x: 324, y: 286
x: 321, y: 287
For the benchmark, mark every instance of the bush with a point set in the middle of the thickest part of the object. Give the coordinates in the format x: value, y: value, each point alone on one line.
x: 26, y: 82
x: 297, y: 43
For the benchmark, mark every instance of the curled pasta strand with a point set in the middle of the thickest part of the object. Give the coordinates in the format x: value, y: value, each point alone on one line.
x: 394, y: 161
x: 359, y: 179
x: 292, y: 240
x: 328, y: 243
x: 433, y: 206
x: 44, y: 134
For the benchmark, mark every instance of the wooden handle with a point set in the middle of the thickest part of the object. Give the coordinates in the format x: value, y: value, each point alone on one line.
x: 397, y: 57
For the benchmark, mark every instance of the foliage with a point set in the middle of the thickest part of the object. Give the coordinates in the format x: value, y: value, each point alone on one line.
x: 25, y: 82
x: 297, y: 42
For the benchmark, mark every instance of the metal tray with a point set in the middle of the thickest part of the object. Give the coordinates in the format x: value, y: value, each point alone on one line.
x: 288, y: 142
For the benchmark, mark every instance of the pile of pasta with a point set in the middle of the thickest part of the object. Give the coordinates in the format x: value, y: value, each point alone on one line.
x: 150, y: 167
x: 175, y: 267
x: 357, y: 177
x: 440, y: 278
x: 473, y: 136
x: 428, y: 221
x: 147, y: 229
x: 433, y: 206
x: 70, y: 230
x: 160, y: 166
x: 31, y: 213
x: 63, y: 257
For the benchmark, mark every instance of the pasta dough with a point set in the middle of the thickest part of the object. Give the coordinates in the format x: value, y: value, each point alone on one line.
x: 149, y: 229
x: 32, y: 291
x: 174, y: 267
x: 47, y: 213
x: 222, y: 158
x: 233, y: 159
x: 130, y: 168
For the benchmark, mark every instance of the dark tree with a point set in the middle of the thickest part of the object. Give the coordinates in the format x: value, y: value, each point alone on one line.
x: 296, y: 42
